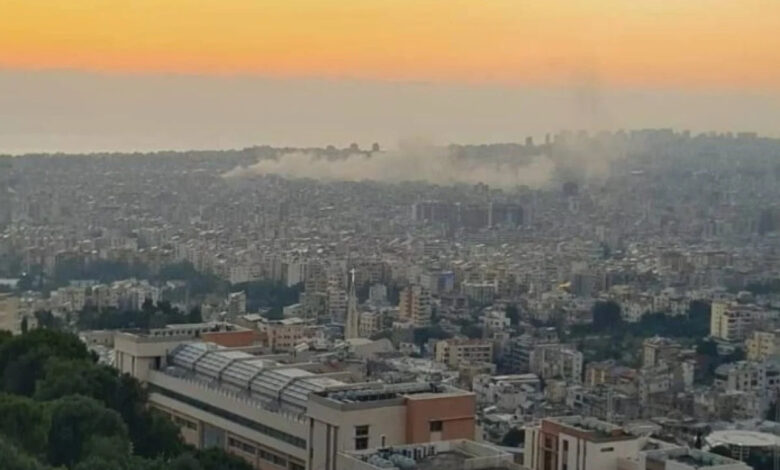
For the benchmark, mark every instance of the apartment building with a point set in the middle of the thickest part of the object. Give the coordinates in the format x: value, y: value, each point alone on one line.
x: 762, y: 345
x: 747, y: 376
x: 550, y: 361
x: 280, y: 414
x: 578, y: 443
x: 415, y: 305
x: 659, y: 351
x: 456, y: 350
x: 285, y: 334
x: 731, y: 321
x: 370, y: 323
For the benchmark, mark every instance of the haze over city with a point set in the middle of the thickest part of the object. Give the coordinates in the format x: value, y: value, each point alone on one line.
x: 86, y: 76
x: 390, y: 235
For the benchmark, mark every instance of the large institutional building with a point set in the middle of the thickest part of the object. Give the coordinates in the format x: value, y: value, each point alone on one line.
x: 279, y: 412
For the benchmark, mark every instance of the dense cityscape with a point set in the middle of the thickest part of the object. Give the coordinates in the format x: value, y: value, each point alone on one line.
x: 618, y: 310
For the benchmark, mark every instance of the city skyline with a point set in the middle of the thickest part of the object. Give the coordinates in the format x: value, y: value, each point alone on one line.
x: 88, y: 76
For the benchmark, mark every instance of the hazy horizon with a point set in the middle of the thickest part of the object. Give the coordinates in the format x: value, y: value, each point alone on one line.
x: 78, y: 112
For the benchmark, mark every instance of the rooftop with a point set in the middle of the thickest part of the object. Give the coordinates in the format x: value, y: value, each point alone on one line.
x: 378, y: 391
x: 693, y: 458
x: 263, y: 378
x: 597, y: 429
x: 450, y: 455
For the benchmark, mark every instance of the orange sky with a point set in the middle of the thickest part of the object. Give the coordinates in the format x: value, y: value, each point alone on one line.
x: 687, y: 43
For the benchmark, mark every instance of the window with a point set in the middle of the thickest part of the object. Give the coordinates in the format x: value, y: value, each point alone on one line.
x: 436, y: 426
x: 384, y: 440
x: 241, y: 420
x: 607, y: 449
x: 565, y: 446
x: 361, y: 443
x: 361, y: 437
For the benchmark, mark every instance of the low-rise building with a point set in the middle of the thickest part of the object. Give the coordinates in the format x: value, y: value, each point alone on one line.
x: 680, y: 458
x: 578, y: 443
x: 281, y: 415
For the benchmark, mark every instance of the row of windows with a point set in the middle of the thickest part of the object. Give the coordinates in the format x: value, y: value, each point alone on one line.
x: 184, y: 423
x: 243, y: 421
x: 263, y: 454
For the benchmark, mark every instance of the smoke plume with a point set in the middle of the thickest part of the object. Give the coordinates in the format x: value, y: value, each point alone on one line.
x: 412, y: 161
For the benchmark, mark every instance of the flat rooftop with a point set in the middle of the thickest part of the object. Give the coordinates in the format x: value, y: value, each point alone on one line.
x: 597, y: 429
x: 377, y: 392
x: 441, y: 455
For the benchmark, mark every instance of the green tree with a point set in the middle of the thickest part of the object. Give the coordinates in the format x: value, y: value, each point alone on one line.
x: 422, y: 335
x: 23, y: 357
x: 513, y: 438
x: 76, y: 423
x: 513, y: 314
x: 13, y: 459
x: 606, y: 315
x: 472, y: 331
x: 63, y: 377
x: 25, y: 423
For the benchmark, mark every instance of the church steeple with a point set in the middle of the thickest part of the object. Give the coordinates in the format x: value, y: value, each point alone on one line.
x: 352, y: 326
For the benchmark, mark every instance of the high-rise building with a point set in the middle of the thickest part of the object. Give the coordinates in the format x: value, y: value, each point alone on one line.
x: 731, y: 321
x: 352, y: 323
x: 5, y: 195
x: 415, y: 305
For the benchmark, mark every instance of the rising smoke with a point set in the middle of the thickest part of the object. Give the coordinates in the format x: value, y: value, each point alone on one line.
x: 412, y: 161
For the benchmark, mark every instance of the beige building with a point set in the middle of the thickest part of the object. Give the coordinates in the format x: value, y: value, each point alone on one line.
x: 415, y: 305
x: 370, y: 323
x: 731, y: 321
x: 659, y: 351
x: 283, y: 335
x: 762, y: 345
x: 454, y: 351
x: 280, y: 414
x: 578, y: 443
x: 10, y: 318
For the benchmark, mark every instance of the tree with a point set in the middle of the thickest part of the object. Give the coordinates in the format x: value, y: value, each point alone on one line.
x: 76, y: 423
x: 25, y: 423
x: 195, y: 316
x: 513, y: 314
x: 13, y: 459
x: 422, y: 335
x: 472, y: 331
x: 63, y: 377
x: 606, y: 315
x: 23, y: 357
x: 513, y: 438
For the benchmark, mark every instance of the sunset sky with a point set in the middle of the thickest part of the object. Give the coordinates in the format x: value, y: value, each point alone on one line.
x: 625, y: 42
x: 691, y: 46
